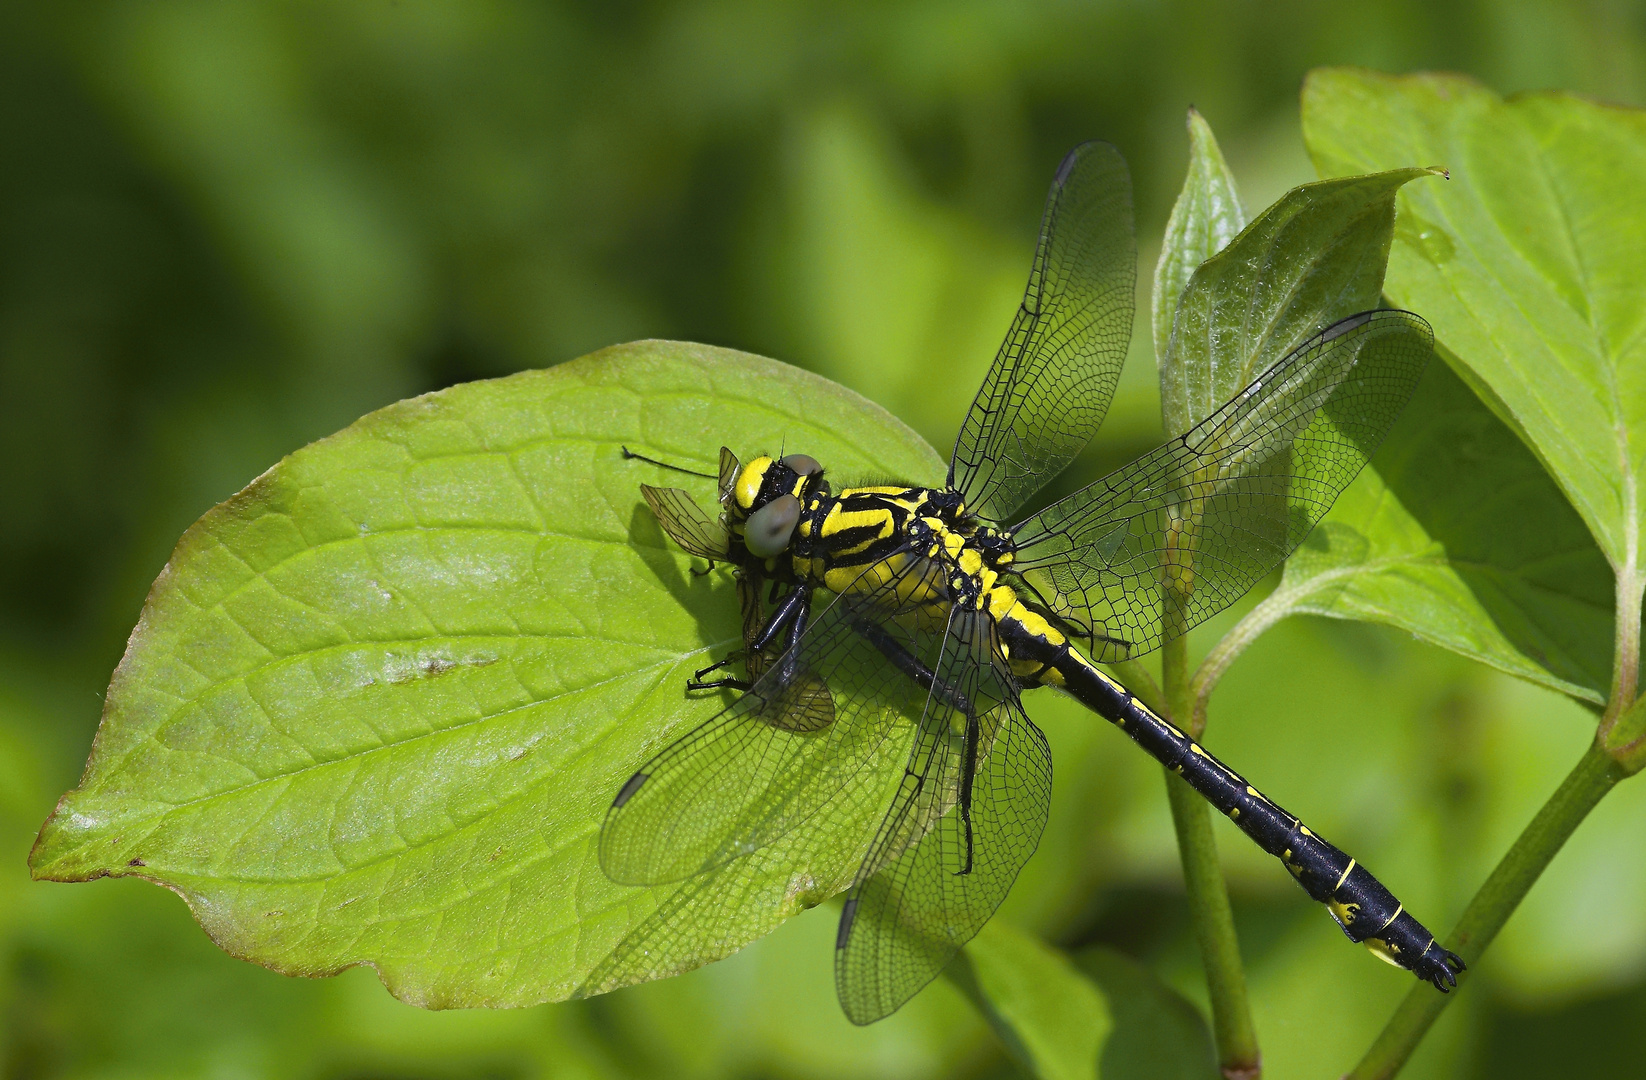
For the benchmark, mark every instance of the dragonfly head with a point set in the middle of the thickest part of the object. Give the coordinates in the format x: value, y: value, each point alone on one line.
x: 765, y: 500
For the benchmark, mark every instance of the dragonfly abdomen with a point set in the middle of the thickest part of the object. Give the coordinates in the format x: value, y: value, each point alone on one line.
x: 1366, y: 910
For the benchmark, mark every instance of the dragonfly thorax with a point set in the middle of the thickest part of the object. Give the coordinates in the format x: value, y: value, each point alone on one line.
x: 781, y: 507
x: 921, y: 533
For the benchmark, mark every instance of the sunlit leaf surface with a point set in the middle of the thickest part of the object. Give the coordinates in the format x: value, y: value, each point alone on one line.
x: 1529, y: 263
x: 378, y: 702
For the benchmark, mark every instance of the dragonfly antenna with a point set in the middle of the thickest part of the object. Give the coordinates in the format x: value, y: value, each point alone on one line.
x: 627, y: 453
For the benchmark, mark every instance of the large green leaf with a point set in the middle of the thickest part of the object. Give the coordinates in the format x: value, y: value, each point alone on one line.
x: 1315, y: 256
x: 1458, y: 535
x: 1530, y: 263
x: 378, y: 702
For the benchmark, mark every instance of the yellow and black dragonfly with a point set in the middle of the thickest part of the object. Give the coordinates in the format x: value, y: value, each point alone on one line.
x: 945, y: 608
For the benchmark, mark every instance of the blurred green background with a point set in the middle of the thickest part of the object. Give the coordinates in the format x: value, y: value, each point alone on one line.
x: 228, y: 229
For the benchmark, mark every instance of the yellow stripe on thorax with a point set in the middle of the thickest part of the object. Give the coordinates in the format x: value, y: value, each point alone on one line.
x: 903, y: 495
x: 839, y: 520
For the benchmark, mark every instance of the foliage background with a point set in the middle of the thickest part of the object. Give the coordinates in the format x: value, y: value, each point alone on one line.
x: 226, y: 230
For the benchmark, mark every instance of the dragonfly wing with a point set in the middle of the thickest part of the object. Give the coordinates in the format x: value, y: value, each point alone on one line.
x: 948, y: 850
x: 809, y: 731
x: 1052, y: 381
x: 685, y: 522
x: 711, y: 915
x: 1182, y: 532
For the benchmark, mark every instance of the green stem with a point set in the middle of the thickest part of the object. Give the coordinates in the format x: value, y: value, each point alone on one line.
x: 1209, y: 908
x: 1625, y: 662
x: 1491, y: 907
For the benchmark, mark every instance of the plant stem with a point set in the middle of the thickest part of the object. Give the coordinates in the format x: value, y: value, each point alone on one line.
x: 1626, y: 658
x: 1209, y: 908
x: 1491, y: 907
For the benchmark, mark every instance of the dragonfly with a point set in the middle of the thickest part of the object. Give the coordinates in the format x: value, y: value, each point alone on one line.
x: 925, y: 613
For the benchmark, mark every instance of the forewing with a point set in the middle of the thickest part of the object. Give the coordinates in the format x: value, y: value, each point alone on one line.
x: 728, y: 472
x: 1045, y: 396
x: 928, y: 883
x: 1179, y: 534
x: 776, y: 754
x: 685, y: 522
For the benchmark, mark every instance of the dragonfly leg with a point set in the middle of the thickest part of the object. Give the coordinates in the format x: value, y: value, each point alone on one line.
x: 730, y: 683
x: 742, y: 686
x: 700, y: 672
x: 910, y: 665
x: 797, y: 612
x: 794, y: 611
x: 967, y: 772
x: 793, y: 614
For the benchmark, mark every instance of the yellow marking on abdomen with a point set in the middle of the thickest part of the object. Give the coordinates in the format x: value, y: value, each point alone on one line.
x: 1383, y: 950
x: 1345, y: 914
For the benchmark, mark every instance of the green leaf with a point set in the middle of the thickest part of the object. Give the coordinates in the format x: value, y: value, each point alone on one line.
x: 1158, y: 1034
x: 1053, y: 1020
x: 1099, y: 1014
x: 377, y: 703
x: 1529, y: 264
x: 1315, y: 256
x: 1458, y: 535
x: 1206, y: 216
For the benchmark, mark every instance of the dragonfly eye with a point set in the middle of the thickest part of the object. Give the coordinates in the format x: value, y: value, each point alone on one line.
x: 769, y: 528
x: 803, y: 464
